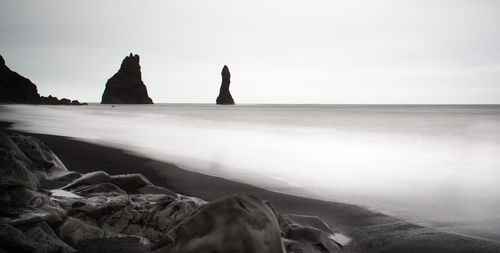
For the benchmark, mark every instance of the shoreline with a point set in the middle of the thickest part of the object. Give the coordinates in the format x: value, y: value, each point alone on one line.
x: 369, y: 231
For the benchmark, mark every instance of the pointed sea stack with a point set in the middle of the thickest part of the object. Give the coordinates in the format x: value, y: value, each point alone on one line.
x: 15, y: 88
x: 126, y: 86
x: 225, y: 97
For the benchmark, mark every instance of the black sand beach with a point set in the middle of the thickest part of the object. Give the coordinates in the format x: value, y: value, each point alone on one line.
x: 369, y: 231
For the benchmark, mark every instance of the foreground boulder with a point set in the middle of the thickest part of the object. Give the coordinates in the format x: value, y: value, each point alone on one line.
x: 15, y: 166
x: 15, y: 88
x: 126, y: 86
x: 49, y: 169
x: 225, y: 97
x: 240, y: 223
x: 304, y: 233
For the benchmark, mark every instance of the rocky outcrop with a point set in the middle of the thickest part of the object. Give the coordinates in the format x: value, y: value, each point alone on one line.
x: 15, y: 88
x: 225, y: 97
x: 44, y: 207
x: 50, y: 100
x: 126, y: 86
x: 247, y: 224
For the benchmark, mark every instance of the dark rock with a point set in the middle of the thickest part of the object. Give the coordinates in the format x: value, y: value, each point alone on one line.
x: 98, y: 189
x: 153, y: 189
x: 13, y: 240
x: 126, y: 86
x: 145, y: 215
x: 45, y: 164
x: 50, y: 100
x: 15, y: 88
x: 73, y: 231
x: 8, y: 144
x: 76, y: 102
x: 59, y: 180
x: 20, y: 206
x: 44, y: 239
x: 130, y: 182
x: 41, y: 155
x: 127, y: 244
x: 306, y: 239
x: 307, y: 221
x: 239, y: 223
x: 15, y: 166
x: 15, y: 172
x: 96, y: 177
x: 64, y: 101
x: 20, y: 202
x: 169, y: 215
x: 225, y: 97
x: 304, y: 233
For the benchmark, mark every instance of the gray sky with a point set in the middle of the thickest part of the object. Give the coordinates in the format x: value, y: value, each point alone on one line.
x: 283, y: 51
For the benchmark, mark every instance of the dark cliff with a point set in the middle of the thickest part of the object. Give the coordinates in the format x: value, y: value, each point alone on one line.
x: 225, y: 97
x: 15, y: 88
x: 126, y: 86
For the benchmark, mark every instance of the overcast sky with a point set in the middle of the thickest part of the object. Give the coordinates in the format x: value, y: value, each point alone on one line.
x: 283, y: 51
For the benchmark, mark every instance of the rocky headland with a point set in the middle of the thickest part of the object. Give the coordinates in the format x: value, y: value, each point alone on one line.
x: 15, y: 88
x: 126, y: 86
x: 225, y: 97
x: 44, y: 207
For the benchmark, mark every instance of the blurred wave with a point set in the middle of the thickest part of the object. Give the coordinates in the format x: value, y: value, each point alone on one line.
x: 435, y: 165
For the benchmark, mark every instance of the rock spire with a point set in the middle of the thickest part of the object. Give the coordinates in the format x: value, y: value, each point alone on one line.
x: 225, y: 97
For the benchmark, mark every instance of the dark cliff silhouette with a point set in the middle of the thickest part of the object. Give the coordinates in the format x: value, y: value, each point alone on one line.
x: 225, y: 97
x: 126, y: 86
x: 15, y: 88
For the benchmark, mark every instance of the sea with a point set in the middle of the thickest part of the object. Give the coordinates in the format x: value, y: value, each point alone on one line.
x: 433, y: 165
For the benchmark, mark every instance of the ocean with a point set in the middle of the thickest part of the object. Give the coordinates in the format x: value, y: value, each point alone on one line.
x: 433, y: 165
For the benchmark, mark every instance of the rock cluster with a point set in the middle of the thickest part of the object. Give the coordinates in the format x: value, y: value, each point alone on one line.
x: 126, y: 86
x: 44, y: 207
x: 225, y: 97
x: 15, y: 88
x: 50, y: 100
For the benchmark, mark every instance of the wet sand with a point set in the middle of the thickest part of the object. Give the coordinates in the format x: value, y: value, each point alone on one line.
x: 369, y: 231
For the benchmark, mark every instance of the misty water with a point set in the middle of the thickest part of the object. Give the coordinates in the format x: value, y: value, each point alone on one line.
x: 436, y: 166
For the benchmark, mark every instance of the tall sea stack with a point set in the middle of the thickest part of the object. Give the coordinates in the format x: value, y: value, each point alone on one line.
x: 126, y: 86
x: 15, y: 88
x: 225, y: 97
